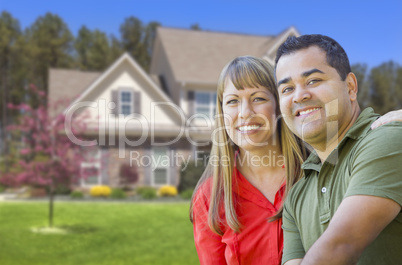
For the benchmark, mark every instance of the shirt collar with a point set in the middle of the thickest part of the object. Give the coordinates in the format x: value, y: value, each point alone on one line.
x: 358, y: 130
x: 245, y: 189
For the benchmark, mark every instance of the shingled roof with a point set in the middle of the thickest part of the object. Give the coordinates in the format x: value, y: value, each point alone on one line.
x: 199, y: 56
x: 68, y: 84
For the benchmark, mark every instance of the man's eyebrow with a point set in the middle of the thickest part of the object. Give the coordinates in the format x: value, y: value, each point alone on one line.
x: 305, y: 74
x: 312, y: 71
x: 283, y: 81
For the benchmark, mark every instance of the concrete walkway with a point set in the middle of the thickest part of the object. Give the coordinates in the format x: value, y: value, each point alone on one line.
x: 7, y: 196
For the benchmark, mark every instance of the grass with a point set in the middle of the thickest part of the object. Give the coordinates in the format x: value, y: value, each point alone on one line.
x: 97, y: 233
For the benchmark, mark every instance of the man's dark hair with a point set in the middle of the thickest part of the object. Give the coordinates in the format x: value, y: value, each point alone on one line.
x: 336, y: 55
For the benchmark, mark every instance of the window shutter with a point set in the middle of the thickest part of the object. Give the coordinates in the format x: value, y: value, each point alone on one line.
x: 137, y: 102
x: 115, y: 99
x: 191, y: 103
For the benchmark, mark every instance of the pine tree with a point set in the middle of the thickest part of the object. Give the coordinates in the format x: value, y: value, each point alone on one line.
x: 50, y: 45
x: 10, y: 63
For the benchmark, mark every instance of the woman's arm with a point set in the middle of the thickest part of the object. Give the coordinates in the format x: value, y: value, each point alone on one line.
x: 210, y: 249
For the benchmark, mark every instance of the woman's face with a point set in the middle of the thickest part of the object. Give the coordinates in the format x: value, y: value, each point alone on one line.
x: 250, y: 116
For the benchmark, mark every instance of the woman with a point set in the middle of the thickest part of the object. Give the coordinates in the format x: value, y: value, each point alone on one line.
x: 253, y: 155
x: 255, y: 159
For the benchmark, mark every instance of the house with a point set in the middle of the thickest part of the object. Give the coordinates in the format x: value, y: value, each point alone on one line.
x: 157, y: 121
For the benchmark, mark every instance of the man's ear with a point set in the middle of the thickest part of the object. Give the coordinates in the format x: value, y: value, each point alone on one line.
x: 351, y: 82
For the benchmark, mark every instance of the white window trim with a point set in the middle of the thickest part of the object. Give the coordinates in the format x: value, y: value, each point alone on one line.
x: 95, y: 164
x: 121, y: 103
x: 153, y: 184
x: 210, y: 105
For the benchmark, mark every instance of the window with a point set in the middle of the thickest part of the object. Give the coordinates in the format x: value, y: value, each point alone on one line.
x: 205, y: 103
x: 126, y: 102
x: 91, y: 168
x: 160, y: 166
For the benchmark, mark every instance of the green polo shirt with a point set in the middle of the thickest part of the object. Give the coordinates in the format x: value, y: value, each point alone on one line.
x: 365, y: 162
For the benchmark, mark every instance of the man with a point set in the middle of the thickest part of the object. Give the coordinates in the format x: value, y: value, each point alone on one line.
x: 347, y: 208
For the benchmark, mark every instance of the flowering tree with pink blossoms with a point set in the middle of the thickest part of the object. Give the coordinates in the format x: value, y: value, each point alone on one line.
x: 48, y: 158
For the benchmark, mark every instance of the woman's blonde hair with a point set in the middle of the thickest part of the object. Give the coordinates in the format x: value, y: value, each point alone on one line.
x: 251, y: 72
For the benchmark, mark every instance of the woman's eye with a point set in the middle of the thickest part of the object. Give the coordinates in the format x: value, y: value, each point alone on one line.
x: 259, y: 99
x: 232, y: 101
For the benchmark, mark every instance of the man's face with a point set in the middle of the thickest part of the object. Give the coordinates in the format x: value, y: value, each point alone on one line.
x: 314, y: 101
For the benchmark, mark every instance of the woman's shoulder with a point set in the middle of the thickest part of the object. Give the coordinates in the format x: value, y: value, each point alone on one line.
x: 203, y: 191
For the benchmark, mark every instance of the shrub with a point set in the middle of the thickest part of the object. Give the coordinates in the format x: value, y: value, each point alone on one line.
x: 190, y: 175
x: 146, y: 192
x: 167, y: 191
x: 118, y: 194
x: 2, y: 189
x: 76, y: 194
x: 100, y: 191
x: 187, y: 194
x: 62, y: 189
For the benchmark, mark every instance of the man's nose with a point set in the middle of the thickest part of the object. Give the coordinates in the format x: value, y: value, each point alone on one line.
x: 301, y: 94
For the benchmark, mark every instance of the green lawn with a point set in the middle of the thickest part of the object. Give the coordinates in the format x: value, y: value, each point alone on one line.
x: 100, y: 233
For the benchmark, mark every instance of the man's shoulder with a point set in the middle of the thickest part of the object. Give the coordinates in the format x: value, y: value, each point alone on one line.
x: 389, y: 135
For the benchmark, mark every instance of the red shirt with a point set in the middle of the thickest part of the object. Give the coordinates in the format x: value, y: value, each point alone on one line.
x: 259, y: 241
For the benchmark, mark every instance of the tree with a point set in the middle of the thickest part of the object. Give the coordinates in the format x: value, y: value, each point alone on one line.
x: 81, y: 44
x: 131, y: 39
x: 149, y: 38
x: 195, y: 26
x: 383, y: 89
x: 398, y: 87
x: 48, y: 158
x: 10, y: 33
x: 93, y: 49
x: 50, y: 44
x: 115, y: 48
x: 360, y: 70
x: 138, y: 39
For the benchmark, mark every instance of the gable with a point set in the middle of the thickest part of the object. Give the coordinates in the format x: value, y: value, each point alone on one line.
x: 126, y: 75
x: 277, y: 41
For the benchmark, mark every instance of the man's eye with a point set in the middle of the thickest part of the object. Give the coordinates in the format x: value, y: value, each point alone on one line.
x: 312, y: 82
x: 287, y: 90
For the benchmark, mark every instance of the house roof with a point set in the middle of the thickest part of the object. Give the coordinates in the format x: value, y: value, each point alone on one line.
x: 131, y: 61
x: 66, y: 85
x: 199, y: 56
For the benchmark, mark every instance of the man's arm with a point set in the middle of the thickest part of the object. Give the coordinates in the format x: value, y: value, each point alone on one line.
x: 373, y: 199
x: 356, y: 223
x: 293, y: 250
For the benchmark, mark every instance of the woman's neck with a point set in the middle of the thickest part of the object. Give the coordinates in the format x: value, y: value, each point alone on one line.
x: 260, y: 164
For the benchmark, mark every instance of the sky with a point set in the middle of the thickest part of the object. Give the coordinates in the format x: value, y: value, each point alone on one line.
x: 370, y: 31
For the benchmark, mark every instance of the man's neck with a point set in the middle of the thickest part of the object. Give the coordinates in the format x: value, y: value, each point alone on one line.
x: 325, y: 149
